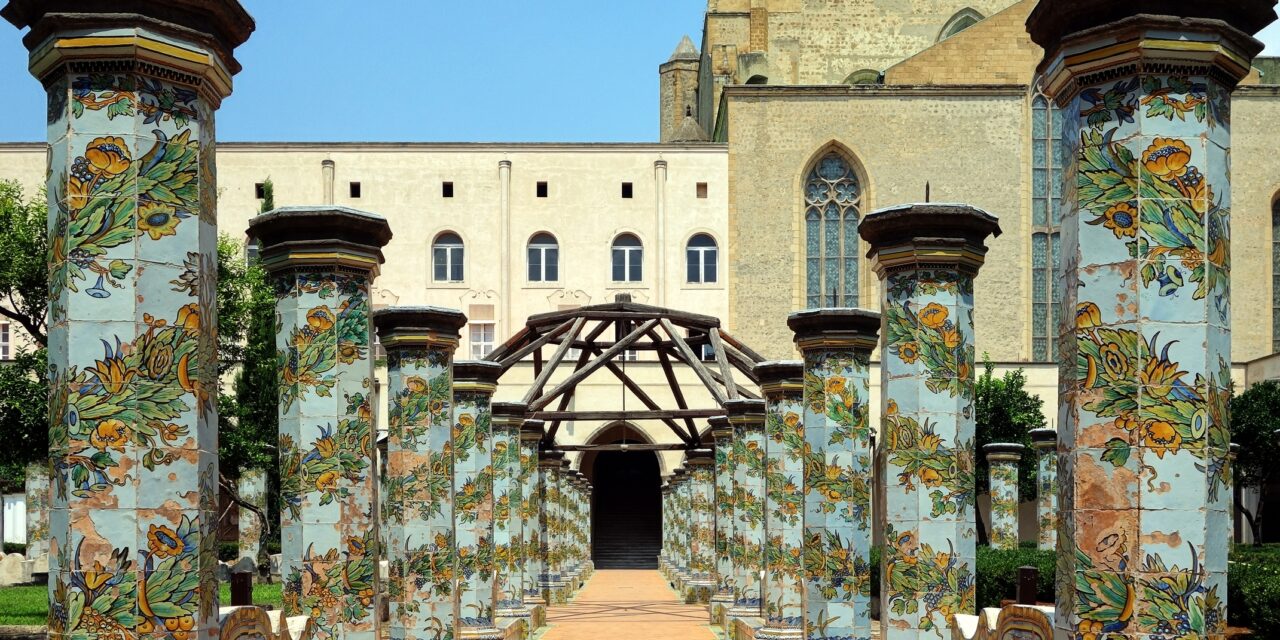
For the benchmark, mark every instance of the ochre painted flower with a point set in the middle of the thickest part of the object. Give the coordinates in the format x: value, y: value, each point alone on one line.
x: 951, y: 338
x: 1090, y: 371
x: 157, y: 220
x: 1167, y: 158
x: 833, y: 472
x: 169, y: 431
x: 963, y: 370
x: 107, y: 156
x: 1159, y: 375
x: 328, y: 481
x: 159, y: 358
x: 1122, y: 219
x: 909, y: 352
x: 110, y: 434
x: 1126, y: 422
x: 467, y: 420
x: 326, y: 447
x: 1162, y: 437
x: 930, y: 477
x: 98, y: 576
x: 184, y: 374
x: 1114, y: 363
x: 347, y: 351
x: 930, y: 442
x: 791, y: 419
x: 933, y: 315
x: 321, y: 318
x: 189, y: 318
x: 112, y: 374
x: 892, y: 408
x: 835, y: 384
x: 1088, y: 315
x: 163, y: 541
x: 415, y: 384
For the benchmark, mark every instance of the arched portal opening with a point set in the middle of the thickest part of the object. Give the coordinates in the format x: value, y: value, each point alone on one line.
x: 626, y: 505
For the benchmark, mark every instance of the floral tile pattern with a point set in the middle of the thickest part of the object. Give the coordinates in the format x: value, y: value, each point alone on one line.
x: 782, y: 591
x: 748, y: 509
x: 701, y: 540
x: 133, y: 423
x: 37, y: 498
x: 837, y: 494
x: 329, y: 539
x: 1003, y: 469
x: 253, y: 490
x: 533, y: 531
x: 1145, y: 405
x: 473, y: 512
x: 548, y: 525
x: 724, y: 510
x: 928, y: 431
x: 1047, y: 495
x: 508, y: 514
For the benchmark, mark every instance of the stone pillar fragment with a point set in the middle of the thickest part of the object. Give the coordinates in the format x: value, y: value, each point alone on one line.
x: 927, y: 256
x: 132, y: 230
x: 420, y: 343
x: 252, y: 487
x: 474, y: 382
x: 1045, y: 442
x: 37, y: 501
x: 533, y: 564
x: 836, y: 345
x: 680, y: 515
x: 322, y: 261
x: 747, y: 420
x: 508, y: 512
x: 701, y: 540
x: 549, y: 581
x: 1145, y: 87
x: 782, y: 591
x: 1002, y: 465
x: 723, y: 599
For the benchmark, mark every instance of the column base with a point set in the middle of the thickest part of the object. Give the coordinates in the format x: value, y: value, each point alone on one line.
x: 744, y: 628
x: 516, y: 622
x: 480, y: 633
x: 698, y: 591
x: 778, y: 632
x: 721, y: 602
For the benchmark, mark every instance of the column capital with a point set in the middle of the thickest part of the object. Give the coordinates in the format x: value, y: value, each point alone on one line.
x: 400, y: 327
x: 196, y: 38
x: 700, y: 457
x: 476, y: 375
x: 550, y: 459
x: 531, y: 430
x: 1003, y: 451
x: 926, y: 236
x: 324, y: 236
x: 857, y: 329
x: 778, y: 376
x: 509, y: 414
x: 1044, y: 439
x: 1087, y: 41
x: 745, y: 411
x: 721, y: 428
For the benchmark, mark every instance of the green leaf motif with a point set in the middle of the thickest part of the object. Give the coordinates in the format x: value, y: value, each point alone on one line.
x: 1117, y: 452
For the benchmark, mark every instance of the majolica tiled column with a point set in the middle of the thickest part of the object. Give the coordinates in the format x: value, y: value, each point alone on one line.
x: 680, y: 519
x: 37, y: 499
x: 573, y: 514
x: 747, y: 419
x: 723, y: 599
x: 927, y: 256
x: 782, y: 592
x: 663, y: 555
x: 532, y: 559
x: 508, y: 515
x: 420, y: 343
x: 133, y: 424
x: 549, y: 581
x: 702, y: 488
x: 252, y: 487
x: 474, y: 382
x: 1146, y: 235
x: 1045, y: 442
x: 1002, y: 467
x: 836, y: 345
x: 322, y: 261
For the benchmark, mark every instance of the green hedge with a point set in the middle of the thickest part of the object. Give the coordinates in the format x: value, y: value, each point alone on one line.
x: 15, y: 547
x: 1253, y: 595
x: 997, y: 574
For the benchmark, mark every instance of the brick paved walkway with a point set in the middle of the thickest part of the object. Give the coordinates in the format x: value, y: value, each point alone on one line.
x: 627, y: 605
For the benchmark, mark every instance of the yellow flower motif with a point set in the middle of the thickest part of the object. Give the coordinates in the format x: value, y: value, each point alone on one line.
x: 892, y: 408
x: 157, y: 220
x: 347, y: 352
x: 163, y: 541
x: 835, y: 384
x: 98, y: 576
x: 159, y: 357
x: 108, y: 156
x: 1162, y: 437
x: 951, y: 338
x: 415, y: 384
x: 1122, y: 219
x: 1159, y: 375
x: 833, y: 472
x: 930, y: 477
x: 112, y: 374
x: 1167, y: 158
x: 909, y: 352
x: 1088, y: 315
x: 933, y: 315
x: 467, y: 420
x: 1114, y: 362
x: 791, y: 419
x: 110, y: 434
x: 326, y: 447
x: 321, y: 318
x: 1126, y: 422
x: 962, y: 371
x: 328, y: 481
x: 189, y: 318
x: 930, y: 442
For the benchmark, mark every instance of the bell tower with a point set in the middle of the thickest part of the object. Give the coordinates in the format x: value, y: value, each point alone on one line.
x: 679, y: 93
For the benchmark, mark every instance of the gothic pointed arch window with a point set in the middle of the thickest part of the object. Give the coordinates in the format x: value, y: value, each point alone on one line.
x: 832, y: 209
x: 1275, y: 274
x: 962, y: 20
x: 1046, y: 227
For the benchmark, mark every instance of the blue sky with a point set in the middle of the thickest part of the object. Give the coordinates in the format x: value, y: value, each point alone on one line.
x: 431, y: 70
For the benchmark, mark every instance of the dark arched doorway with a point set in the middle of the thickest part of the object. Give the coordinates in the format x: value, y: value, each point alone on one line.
x: 626, y: 505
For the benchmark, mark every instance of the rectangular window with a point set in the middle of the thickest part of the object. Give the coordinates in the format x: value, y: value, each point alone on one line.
x: 702, y: 190
x: 446, y: 189
x: 447, y: 263
x: 708, y: 353
x: 627, y: 263
x: 626, y: 190
x: 629, y: 355
x: 544, y: 263
x: 259, y: 190
x: 481, y: 330
x: 354, y: 189
x: 251, y: 251
x: 5, y: 350
x: 542, y: 189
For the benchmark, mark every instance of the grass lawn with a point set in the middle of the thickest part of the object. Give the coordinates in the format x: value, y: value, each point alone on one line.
x: 28, y: 605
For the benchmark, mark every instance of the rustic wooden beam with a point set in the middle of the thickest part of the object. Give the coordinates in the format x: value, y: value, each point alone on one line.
x: 640, y: 393
x: 725, y: 370
x: 740, y: 361
x: 737, y: 344
x: 519, y: 337
x: 678, y: 394
x: 517, y: 355
x: 541, y: 381
x: 612, y: 312
x: 693, y: 361
x: 591, y: 367
x: 641, y: 447
x: 627, y: 415
x: 549, y: 438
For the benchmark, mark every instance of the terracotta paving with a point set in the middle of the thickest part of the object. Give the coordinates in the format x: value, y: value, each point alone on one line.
x: 627, y: 605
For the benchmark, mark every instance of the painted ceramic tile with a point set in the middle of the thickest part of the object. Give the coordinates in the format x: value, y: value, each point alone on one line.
x: 472, y: 442
x: 253, y: 490
x: 749, y: 516
x: 1047, y: 498
x: 1004, y: 503
x: 783, y: 590
x: 723, y: 512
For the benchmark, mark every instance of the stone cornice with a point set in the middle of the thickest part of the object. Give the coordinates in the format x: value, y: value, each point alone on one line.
x: 870, y: 90
x: 815, y: 329
x: 418, y: 327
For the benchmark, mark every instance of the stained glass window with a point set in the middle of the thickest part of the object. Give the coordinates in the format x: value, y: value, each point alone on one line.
x: 832, y: 199
x: 1275, y: 275
x: 1046, y: 190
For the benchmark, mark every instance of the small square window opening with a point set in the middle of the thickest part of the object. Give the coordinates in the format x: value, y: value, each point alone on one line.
x: 626, y: 190
x: 259, y: 191
x: 542, y: 189
x: 355, y: 189
x: 702, y: 190
x: 446, y: 189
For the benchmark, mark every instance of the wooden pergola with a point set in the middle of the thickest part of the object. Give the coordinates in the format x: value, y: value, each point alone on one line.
x: 601, y: 334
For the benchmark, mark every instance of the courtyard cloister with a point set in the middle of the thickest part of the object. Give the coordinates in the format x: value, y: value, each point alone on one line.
x: 475, y: 523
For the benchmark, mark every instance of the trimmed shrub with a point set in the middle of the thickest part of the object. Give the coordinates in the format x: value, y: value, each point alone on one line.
x: 15, y: 547
x: 228, y: 551
x: 997, y: 577
x: 1253, y: 596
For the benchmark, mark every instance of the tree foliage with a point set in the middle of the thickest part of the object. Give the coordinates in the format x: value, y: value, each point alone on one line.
x: 24, y: 280
x: 1006, y: 412
x: 24, y: 430
x: 1255, y: 419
